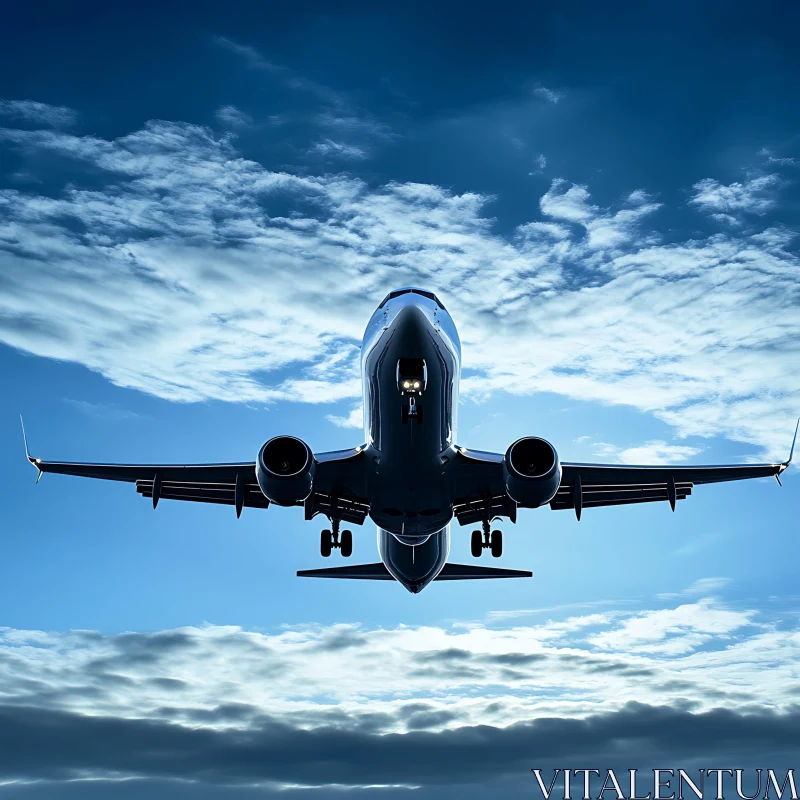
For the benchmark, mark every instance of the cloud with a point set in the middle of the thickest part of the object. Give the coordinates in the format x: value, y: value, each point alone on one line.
x: 232, y: 117
x: 702, y: 587
x: 409, y: 704
x: 239, y: 273
x: 551, y: 95
x: 355, y: 419
x: 726, y: 203
x: 249, y: 54
x: 652, y: 452
x: 567, y: 202
x: 673, y: 631
x: 605, y: 230
x: 36, y: 113
x: 339, y: 149
x: 106, y: 411
x: 781, y: 160
x: 253, y: 58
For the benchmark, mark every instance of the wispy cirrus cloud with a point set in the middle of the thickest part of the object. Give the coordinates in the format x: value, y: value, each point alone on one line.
x: 179, y: 244
x: 655, y: 451
x: 702, y: 587
x: 232, y: 117
x: 36, y: 113
x: 328, y: 147
x: 551, y: 95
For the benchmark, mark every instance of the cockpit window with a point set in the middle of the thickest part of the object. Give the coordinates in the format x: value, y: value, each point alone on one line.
x: 422, y: 292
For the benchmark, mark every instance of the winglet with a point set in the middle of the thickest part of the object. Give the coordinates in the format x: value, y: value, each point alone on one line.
x: 784, y: 464
x: 791, y: 452
x: 28, y: 455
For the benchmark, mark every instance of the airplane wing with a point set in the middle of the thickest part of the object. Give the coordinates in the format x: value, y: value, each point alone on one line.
x: 592, y: 485
x: 482, y: 490
x: 338, y: 482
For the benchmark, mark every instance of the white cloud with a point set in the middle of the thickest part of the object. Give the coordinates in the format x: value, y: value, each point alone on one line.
x: 727, y: 202
x: 36, y: 113
x: 772, y: 159
x: 328, y: 147
x: 355, y: 419
x: 106, y: 411
x: 232, y: 117
x: 567, y: 202
x: 551, y: 95
x: 703, y: 652
x: 702, y: 587
x: 673, y: 631
x: 178, y: 247
x: 541, y: 161
x: 706, y: 586
x: 655, y: 451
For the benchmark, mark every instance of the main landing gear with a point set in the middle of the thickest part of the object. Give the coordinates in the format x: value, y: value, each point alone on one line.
x: 332, y: 540
x: 487, y: 541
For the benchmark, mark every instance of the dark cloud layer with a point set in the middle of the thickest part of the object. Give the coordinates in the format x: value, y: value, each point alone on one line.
x: 52, y: 745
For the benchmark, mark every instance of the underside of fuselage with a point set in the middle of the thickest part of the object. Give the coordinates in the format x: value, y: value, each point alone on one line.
x: 411, y: 363
x: 414, y: 565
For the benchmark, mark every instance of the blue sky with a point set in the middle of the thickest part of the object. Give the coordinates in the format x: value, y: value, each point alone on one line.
x: 201, y: 205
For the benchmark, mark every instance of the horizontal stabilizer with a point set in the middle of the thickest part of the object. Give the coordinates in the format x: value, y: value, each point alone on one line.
x: 378, y: 572
x: 358, y: 572
x: 466, y: 572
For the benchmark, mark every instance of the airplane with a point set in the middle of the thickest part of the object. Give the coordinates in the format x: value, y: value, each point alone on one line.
x: 411, y: 477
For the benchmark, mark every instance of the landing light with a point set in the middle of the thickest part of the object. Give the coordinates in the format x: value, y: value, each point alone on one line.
x: 406, y: 384
x: 416, y: 384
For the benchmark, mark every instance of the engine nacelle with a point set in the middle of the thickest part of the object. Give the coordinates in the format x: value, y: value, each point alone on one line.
x: 285, y: 470
x: 532, y: 471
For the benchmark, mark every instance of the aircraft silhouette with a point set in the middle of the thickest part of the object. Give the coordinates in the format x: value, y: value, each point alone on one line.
x: 410, y: 476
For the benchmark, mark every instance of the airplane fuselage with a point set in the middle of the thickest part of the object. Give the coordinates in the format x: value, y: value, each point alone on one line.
x: 411, y: 363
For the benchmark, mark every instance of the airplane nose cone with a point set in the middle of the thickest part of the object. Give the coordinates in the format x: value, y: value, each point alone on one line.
x: 411, y: 317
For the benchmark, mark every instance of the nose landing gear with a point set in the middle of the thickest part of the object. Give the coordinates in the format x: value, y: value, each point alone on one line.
x: 492, y: 541
x: 331, y: 540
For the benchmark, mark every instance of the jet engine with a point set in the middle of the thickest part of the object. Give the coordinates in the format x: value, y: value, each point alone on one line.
x: 285, y: 470
x: 532, y: 471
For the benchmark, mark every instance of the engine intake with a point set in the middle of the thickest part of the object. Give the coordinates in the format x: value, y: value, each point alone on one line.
x: 285, y: 470
x: 532, y: 471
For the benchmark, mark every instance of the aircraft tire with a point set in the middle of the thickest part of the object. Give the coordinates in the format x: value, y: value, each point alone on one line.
x: 497, y: 544
x: 325, y: 544
x: 346, y: 544
x: 476, y: 544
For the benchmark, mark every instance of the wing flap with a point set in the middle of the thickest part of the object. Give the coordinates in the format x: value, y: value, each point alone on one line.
x: 224, y: 494
x: 471, y: 510
x: 596, y: 496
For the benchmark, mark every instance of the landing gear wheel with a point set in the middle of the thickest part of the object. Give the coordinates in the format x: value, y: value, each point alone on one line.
x: 346, y: 544
x: 325, y: 544
x: 496, y: 545
x: 476, y: 544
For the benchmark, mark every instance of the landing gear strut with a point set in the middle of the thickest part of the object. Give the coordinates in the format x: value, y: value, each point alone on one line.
x: 331, y: 540
x: 492, y: 541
